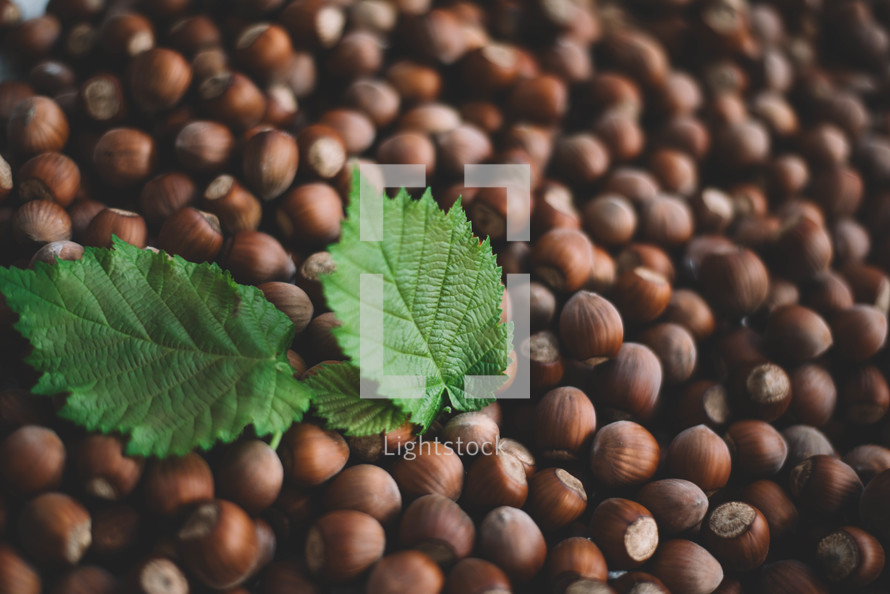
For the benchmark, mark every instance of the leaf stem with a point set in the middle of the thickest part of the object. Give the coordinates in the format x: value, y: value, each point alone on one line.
x: 276, y: 440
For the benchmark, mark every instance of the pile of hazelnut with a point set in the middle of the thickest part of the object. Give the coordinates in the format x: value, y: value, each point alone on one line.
x: 710, y: 250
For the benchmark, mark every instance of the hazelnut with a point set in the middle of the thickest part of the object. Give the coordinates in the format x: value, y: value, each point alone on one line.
x: 49, y: 176
x: 55, y: 529
x: 737, y: 534
x: 556, y: 498
x: 250, y: 474
x: 204, y: 146
x: 625, y: 531
x: 16, y: 574
x: 86, y: 579
x: 850, y: 556
x: 641, y: 294
x: 735, y: 282
x: 638, y: 55
x: 365, y: 488
x: 803, y: 249
x: 57, y: 250
x: 411, y: 148
x: 580, y: 159
x: 510, y: 538
x: 632, y: 582
x: 233, y: 99
x: 438, y: 527
x: 435, y: 468
x: 865, y: 396
x: 32, y: 460
x: 125, y: 224
x: 702, y: 403
x: 270, y: 162
x: 824, y: 485
x: 563, y: 259
x: 757, y: 448
x: 699, y: 455
x: 218, y: 544
x: 235, y: 207
x: 124, y: 157
x: 291, y: 300
x: 610, y: 219
x: 415, y: 83
x: 262, y: 48
x: 313, y: 23
x: 322, y: 150
x: 622, y: 134
x: 354, y: 128
x: 126, y: 34
x: 406, y: 570
x: 861, y: 331
x: 37, y: 125
x: 343, y: 544
x: 476, y: 576
x: 496, y: 479
x: 310, y: 455
x: 475, y: 428
x: 39, y: 222
x: 166, y: 194
x: 254, y: 257
x: 103, y: 470
x: 684, y: 566
x: 376, y: 99
x: 868, y: 460
x: 310, y: 215
x: 624, y: 454
x: 159, y: 78
x: 575, y: 558
x: 813, y: 394
x: 192, y: 234
x: 172, y: 484
x: 870, y: 285
x: 778, y: 509
x: 686, y: 308
x: 676, y: 504
x: 101, y: 98
x: 565, y: 422
x: 540, y: 99
x: 873, y: 507
x: 675, y: 348
x: 645, y: 255
x: 491, y: 209
x: 630, y: 383
x: 785, y: 577
x: 804, y: 441
x: 763, y: 389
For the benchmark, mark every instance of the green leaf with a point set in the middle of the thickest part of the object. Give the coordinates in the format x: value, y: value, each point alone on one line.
x: 336, y: 389
x: 441, y: 295
x: 175, y: 354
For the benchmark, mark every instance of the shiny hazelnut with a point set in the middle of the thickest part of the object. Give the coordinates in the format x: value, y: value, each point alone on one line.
x: 355, y: 129
x: 625, y: 531
x: 86, y: 579
x: 757, y: 448
x: 249, y: 474
x: 563, y: 259
x: 310, y: 455
x: 610, y: 219
x: 32, y: 460
x: 860, y: 330
x: 103, y: 470
x: 127, y: 225
x: 556, y: 498
x: 269, y: 162
x: 55, y: 529
x: 343, y: 544
x: 850, y: 556
x: 565, y: 422
x: 624, y: 453
x: 803, y: 249
x: 159, y: 78
x: 737, y: 534
x: 435, y: 468
x: 38, y: 222
x: 310, y: 215
x: 865, y: 396
x: 16, y: 574
x: 824, y: 485
x: 165, y: 194
x: 204, y: 146
x: 761, y: 388
x: 475, y: 428
x: 496, y: 479
x: 686, y: 308
x: 406, y: 569
x: 172, y: 484
x: 234, y: 206
x: 511, y: 540
x: 49, y: 176
x: 735, y: 282
x: 124, y: 157
x: 476, y: 576
x: 291, y: 300
x: 37, y: 125
x: 262, y: 48
x: 365, y: 488
x: 676, y: 504
x: 580, y: 159
x: 50, y: 253
x: 233, y: 99
x: 438, y: 527
x: 813, y: 394
x: 192, y: 234
x: 376, y: 99
x: 254, y: 257
x: 641, y: 294
x: 629, y: 383
x: 684, y: 566
x: 218, y: 544
x: 409, y: 148
x: 101, y: 98
x: 870, y: 285
x: 699, y: 455
x: 868, y: 460
x: 645, y: 255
